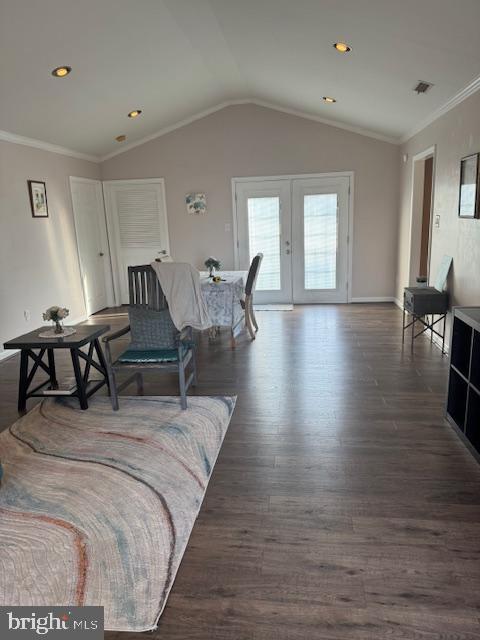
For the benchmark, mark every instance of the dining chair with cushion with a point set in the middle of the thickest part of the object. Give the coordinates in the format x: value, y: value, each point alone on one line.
x: 247, y: 301
x: 155, y: 343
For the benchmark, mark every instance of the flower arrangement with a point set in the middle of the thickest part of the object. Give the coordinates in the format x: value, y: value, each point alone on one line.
x: 56, y: 314
x: 212, y: 265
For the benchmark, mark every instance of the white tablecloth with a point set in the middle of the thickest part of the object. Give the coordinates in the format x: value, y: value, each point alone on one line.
x: 223, y: 298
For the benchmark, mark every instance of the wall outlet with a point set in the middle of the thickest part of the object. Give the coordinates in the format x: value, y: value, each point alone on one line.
x: 437, y: 221
x: 228, y: 227
x: 26, y: 315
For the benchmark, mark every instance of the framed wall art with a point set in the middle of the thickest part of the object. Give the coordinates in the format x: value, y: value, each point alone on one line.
x: 38, y: 198
x: 196, y: 203
x: 469, y: 197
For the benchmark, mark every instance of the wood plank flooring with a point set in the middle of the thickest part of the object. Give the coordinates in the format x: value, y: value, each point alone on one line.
x: 342, y: 506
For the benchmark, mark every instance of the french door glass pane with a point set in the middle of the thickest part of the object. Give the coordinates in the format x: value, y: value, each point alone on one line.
x: 320, y: 240
x: 264, y: 237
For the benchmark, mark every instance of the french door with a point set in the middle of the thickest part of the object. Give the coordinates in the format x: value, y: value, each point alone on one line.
x: 264, y: 225
x: 301, y: 227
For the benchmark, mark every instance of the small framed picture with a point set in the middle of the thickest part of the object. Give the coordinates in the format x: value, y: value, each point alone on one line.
x: 196, y: 203
x: 38, y: 198
x: 469, y: 199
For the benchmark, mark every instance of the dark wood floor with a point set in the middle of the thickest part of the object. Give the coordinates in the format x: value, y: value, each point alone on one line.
x: 342, y: 506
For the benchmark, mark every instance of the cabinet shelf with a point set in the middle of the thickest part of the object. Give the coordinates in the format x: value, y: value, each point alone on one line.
x: 463, y: 402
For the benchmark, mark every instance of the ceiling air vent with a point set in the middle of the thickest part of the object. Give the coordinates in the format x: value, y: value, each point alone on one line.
x: 422, y: 87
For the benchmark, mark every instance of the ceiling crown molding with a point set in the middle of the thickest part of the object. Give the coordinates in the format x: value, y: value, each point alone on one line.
x: 173, y: 127
x: 331, y: 123
x: 259, y: 103
x: 6, y: 136
x: 462, y: 95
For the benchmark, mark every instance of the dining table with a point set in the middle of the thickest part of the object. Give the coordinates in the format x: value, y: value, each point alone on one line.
x: 223, y: 300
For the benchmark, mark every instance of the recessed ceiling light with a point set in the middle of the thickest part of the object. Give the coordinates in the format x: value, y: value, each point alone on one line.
x: 61, y: 72
x: 134, y: 113
x: 121, y: 138
x: 329, y: 99
x: 342, y: 47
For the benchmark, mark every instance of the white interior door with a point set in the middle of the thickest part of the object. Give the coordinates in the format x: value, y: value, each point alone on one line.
x: 264, y: 225
x: 301, y: 225
x: 92, y: 242
x: 320, y: 239
x: 137, y: 224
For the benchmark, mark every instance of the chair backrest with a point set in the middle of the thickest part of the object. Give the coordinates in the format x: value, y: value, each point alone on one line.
x: 151, y: 326
x: 253, y: 273
x: 144, y: 289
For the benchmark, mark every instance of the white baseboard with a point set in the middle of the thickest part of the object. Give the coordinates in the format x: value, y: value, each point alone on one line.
x: 398, y: 303
x: 5, y: 354
x: 9, y: 353
x: 374, y: 299
x: 438, y: 343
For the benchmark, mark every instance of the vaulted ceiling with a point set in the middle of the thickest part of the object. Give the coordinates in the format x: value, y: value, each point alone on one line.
x: 176, y: 58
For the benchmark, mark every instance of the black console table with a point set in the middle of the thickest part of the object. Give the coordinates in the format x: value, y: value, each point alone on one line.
x: 463, y: 402
x: 423, y: 304
x: 85, y: 335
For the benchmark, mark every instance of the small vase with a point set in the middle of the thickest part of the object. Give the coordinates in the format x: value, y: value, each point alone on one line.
x: 58, y: 327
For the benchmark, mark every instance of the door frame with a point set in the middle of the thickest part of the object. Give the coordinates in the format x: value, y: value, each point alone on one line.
x: 108, y: 270
x: 300, y: 176
x: 416, y: 213
x: 115, y: 258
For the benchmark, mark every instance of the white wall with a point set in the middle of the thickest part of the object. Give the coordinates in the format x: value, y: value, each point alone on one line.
x: 456, y: 134
x: 38, y: 256
x: 248, y: 140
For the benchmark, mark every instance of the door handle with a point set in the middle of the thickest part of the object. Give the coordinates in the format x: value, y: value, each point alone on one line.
x: 101, y: 254
x: 287, y: 242
x: 163, y: 252
x: 287, y: 251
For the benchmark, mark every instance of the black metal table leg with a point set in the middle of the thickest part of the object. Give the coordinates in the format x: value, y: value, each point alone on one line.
x: 51, y: 366
x: 22, y: 386
x: 81, y: 387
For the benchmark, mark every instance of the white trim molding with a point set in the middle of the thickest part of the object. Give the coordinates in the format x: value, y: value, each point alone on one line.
x: 398, y: 303
x: 462, y: 95
x: 374, y: 299
x: 258, y: 103
x: 331, y: 123
x: 459, y: 97
x: 6, y: 136
x: 7, y: 353
x: 421, y: 155
x: 436, y: 340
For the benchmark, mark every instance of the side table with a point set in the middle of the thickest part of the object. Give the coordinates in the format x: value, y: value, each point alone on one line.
x: 86, y: 334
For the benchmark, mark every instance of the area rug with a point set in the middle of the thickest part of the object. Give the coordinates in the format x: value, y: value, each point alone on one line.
x: 96, y: 506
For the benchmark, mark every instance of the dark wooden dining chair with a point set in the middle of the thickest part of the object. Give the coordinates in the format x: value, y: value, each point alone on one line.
x: 247, y: 302
x: 156, y: 344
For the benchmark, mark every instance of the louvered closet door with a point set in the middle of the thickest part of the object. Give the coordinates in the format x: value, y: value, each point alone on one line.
x: 137, y: 223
